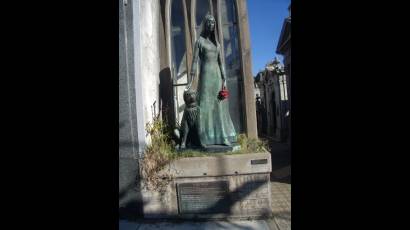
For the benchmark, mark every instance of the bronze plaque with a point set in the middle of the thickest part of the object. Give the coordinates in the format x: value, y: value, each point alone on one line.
x: 259, y: 161
x: 203, y: 197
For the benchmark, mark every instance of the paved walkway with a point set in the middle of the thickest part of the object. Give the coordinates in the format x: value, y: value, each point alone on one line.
x: 188, y: 225
x: 281, y: 184
x: 281, y: 205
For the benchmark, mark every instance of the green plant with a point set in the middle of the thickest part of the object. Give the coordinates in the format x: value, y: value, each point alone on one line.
x: 157, y: 154
x: 161, y: 151
x: 251, y: 145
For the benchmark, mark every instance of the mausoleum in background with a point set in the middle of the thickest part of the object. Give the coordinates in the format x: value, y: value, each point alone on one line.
x: 272, y: 102
x: 273, y: 91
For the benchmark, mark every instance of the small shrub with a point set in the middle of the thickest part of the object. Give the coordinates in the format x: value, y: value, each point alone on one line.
x: 161, y: 151
x: 251, y: 145
x: 157, y: 155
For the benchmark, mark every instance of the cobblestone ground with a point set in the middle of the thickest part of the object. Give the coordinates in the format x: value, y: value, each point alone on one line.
x: 281, y: 204
x: 281, y: 184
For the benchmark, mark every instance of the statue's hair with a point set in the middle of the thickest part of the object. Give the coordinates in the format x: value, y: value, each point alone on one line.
x: 191, y: 115
x: 207, y: 18
x: 191, y: 110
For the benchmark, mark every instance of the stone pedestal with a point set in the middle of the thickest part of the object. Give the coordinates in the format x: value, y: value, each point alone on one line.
x: 215, y: 148
x: 214, y: 187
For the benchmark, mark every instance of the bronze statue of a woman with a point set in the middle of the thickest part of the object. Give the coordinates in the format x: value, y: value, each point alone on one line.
x: 215, y: 124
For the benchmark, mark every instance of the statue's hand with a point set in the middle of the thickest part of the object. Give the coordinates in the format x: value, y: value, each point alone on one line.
x: 223, y: 84
x: 188, y: 87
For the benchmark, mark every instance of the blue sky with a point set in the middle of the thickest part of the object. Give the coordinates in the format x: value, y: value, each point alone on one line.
x: 265, y: 24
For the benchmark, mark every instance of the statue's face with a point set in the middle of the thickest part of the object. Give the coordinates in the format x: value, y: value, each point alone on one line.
x: 189, y: 97
x: 210, y: 25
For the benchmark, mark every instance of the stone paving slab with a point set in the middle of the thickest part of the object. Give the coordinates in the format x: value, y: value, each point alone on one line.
x: 187, y: 225
x: 281, y: 204
x: 281, y: 185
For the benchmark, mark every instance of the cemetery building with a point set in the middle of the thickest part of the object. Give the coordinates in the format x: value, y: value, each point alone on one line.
x: 156, y: 40
x: 272, y: 103
x: 272, y: 89
x: 284, y: 47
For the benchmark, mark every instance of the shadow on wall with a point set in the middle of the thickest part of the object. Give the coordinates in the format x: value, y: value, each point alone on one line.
x: 130, y: 198
x: 132, y: 208
x: 225, y: 205
x: 166, y: 95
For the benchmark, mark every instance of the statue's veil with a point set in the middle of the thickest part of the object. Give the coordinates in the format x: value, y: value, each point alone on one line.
x: 202, y: 28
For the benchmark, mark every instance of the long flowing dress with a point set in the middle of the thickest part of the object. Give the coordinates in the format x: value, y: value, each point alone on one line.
x: 215, y: 123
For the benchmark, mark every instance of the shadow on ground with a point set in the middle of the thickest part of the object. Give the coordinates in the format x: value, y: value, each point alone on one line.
x: 281, y: 160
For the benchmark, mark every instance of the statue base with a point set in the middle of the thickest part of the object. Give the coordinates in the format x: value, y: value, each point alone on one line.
x: 213, y: 187
x: 222, y: 148
x: 213, y: 148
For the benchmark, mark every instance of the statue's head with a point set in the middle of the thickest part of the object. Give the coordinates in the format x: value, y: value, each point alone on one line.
x: 209, y: 22
x: 189, y: 97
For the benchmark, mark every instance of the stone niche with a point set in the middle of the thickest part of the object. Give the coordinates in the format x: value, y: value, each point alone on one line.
x: 214, y: 187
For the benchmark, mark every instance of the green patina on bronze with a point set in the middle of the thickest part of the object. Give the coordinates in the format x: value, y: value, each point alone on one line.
x: 215, y: 123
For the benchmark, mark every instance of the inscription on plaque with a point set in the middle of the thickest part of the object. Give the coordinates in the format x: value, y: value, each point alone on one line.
x: 259, y: 161
x: 203, y: 197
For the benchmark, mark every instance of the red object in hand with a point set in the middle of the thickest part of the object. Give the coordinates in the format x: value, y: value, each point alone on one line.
x: 223, y: 94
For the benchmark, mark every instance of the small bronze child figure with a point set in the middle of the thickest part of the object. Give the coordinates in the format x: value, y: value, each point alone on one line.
x: 189, y: 123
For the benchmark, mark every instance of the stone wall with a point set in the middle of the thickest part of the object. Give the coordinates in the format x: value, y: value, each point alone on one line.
x: 131, y: 136
x: 150, y: 57
x: 232, y: 186
x: 138, y: 92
